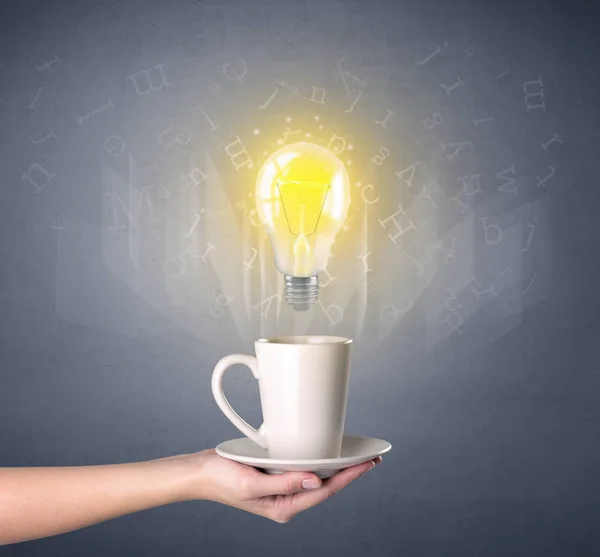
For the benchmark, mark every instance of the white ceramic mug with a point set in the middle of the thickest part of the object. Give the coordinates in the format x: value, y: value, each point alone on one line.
x: 303, y: 382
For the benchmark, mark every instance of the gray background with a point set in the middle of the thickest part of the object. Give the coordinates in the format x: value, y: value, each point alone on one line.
x: 104, y: 360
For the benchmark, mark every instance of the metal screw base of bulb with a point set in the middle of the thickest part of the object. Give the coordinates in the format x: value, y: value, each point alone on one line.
x: 301, y: 292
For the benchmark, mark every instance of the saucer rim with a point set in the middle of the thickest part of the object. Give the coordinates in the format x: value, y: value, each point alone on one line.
x: 253, y: 460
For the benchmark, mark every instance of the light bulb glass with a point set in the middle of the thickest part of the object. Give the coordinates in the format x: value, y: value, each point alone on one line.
x: 302, y: 198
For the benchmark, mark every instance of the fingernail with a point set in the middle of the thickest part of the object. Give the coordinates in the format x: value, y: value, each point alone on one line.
x: 373, y: 464
x: 367, y: 469
x: 310, y: 483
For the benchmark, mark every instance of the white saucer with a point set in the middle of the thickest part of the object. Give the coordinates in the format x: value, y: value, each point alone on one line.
x: 355, y: 450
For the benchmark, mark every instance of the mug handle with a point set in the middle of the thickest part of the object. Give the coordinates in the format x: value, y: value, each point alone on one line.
x: 257, y: 435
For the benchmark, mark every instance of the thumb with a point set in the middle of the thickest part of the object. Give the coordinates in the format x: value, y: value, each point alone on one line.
x: 287, y: 483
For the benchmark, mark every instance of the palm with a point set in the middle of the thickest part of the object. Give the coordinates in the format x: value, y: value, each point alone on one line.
x: 279, y: 497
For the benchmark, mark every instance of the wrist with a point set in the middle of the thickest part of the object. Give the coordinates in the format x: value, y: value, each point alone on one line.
x: 181, y: 475
x: 189, y: 471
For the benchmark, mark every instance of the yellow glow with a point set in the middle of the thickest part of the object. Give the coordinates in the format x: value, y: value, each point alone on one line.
x: 302, y: 198
x: 303, y: 203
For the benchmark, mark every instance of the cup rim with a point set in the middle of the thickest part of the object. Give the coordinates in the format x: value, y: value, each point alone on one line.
x: 324, y: 340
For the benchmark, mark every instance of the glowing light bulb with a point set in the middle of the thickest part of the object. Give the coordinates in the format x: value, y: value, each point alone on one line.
x: 302, y: 198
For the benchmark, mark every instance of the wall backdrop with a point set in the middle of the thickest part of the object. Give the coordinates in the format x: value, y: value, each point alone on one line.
x: 466, y: 273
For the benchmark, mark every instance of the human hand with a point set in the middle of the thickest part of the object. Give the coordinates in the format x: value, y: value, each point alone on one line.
x: 37, y: 502
x: 278, y: 497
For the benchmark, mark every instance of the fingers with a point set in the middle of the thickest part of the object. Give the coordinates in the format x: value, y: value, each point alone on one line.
x: 289, y: 483
x: 308, y: 499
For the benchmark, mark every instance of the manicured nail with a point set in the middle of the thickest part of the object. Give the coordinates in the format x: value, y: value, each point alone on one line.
x: 374, y: 463
x: 310, y: 483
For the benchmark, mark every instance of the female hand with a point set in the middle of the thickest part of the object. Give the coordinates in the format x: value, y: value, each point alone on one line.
x: 278, y: 497
x: 37, y: 502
